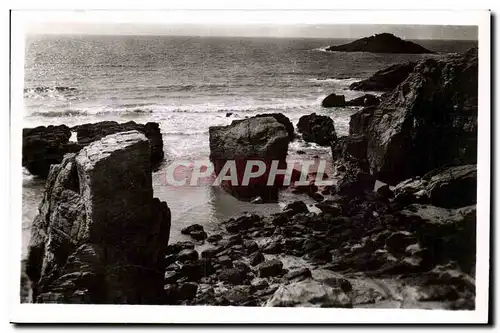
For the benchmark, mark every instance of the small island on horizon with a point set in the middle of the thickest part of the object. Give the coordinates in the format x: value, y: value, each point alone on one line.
x: 381, y: 43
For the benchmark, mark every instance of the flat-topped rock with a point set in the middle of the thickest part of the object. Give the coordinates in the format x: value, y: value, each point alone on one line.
x: 100, y: 236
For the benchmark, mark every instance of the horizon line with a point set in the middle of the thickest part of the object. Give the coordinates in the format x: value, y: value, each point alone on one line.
x: 29, y: 34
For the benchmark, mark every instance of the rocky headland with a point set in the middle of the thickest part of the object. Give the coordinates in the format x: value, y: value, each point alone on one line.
x: 409, y: 242
x: 381, y: 43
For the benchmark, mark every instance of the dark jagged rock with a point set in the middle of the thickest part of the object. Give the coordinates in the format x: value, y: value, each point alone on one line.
x: 43, y: 146
x: 333, y: 100
x: 448, y: 187
x: 100, y: 236
x: 318, y: 129
x: 380, y: 43
x: 351, y: 148
x: 270, y: 268
x: 355, y: 181
x: 261, y: 138
x: 297, y: 207
x: 428, y: 121
x: 453, y: 187
x: 88, y: 133
x: 283, y: 120
x: 386, y: 79
x: 365, y: 100
x: 191, y: 228
x: 448, y: 234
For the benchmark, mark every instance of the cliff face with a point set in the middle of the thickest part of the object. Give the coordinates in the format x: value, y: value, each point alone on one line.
x: 100, y: 236
x: 380, y: 43
x: 428, y: 121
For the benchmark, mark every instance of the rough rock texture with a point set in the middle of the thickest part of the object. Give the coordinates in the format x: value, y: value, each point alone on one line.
x: 43, y: 146
x: 100, y: 236
x: 318, y: 129
x: 450, y: 187
x: 447, y: 234
x: 282, y: 119
x: 333, y: 100
x: 386, y: 79
x: 428, y: 121
x: 365, y: 100
x: 88, y: 133
x: 261, y: 138
x: 309, y: 293
x: 380, y: 43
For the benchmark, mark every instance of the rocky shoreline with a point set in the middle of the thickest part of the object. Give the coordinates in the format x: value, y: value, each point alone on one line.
x: 407, y: 244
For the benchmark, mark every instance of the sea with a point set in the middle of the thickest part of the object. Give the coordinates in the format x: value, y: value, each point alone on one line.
x: 188, y: 84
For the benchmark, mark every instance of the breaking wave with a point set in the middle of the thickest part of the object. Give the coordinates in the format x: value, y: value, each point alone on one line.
x: 57, y: 92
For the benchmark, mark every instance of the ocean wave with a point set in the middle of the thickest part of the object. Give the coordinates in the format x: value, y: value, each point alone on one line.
x: 220, y: 110
x: 341, y: 81
x: 185, y: 133
x: 57, y: 92
x: 135, y: 111
x: 55, y: 114
x: 44, y: 89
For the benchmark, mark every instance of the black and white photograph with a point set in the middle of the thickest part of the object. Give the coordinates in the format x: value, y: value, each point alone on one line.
x: 236, y: 163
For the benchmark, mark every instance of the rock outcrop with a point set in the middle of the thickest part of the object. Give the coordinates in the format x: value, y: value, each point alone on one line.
x: 386, y: 79
x: 43, y: 146
x: 333, y: 100
x: 365, y: 100
x: 262, y: 138
x: 88, y: 133
x: 450, y: 187
x: 318, y: 129
x: 100, y: 236
x: 428, y: 121
x: 380, y: 43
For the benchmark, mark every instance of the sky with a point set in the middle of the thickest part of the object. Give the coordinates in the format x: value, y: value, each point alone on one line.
x: 259, y: 30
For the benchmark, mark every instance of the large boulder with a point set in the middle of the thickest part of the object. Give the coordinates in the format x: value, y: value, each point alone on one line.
x: 450, y: 187
x: 318, y: 129
x: 386, y: 79
x: 380, y: 43
x: 44, y: 146
x: 428, y: 121
x: 100, y: 236
x: 333, y: 100
x: 261, y: 138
